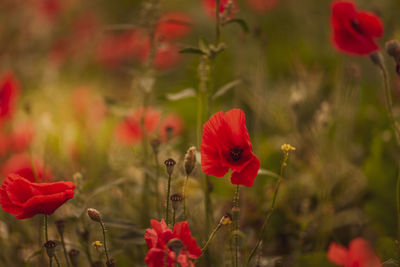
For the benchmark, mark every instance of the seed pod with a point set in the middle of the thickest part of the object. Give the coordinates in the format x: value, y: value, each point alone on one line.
x: 74, y: 257
x: 50, y: 248
x: 60, y: 224
x: 94, y: 214
x: 376, y: 58
x: 97, y: 264
x: 155, y: 143
x: 110, y: 263
x: 175, y: 245
x: 176, y: 200
x: 190, y: 160
x: 393, y: 49
x: 170, y: 164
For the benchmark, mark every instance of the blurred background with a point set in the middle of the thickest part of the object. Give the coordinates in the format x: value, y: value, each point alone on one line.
x: 96, y: 81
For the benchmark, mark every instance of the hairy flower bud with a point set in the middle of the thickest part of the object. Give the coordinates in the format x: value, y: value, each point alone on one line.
x: 50, y: 248
x: 94, y: 214
x: 170, y: 164
x: 176, y: 200
x: 190, y: 160
x: 393, y: 48
x: 376, y: 58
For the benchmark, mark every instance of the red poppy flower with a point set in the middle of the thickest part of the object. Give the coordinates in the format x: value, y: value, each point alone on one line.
x: 172, y: 26
x: 226, y: 145
x: 170, y: 127
x: 130, y: 130
x: 224, y: 7
x: 31, y: 168
x: 359, y: 254
x: 167, y: 56
x: 26, y: 199
x: 9, y: 91
x: 157, y: 240
x: 354, y: 31
x: 261, y: 6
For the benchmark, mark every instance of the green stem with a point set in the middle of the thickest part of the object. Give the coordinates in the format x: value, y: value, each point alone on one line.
x: 236, y: 213
x: 45, y: 228
x: 211, y: 237
x: 104, y: 238
x: 272, y: 208
x: 64, y: 249
x: 50, y: 262
x: 167, y: 208
x: 157, y: 183
x: 184, y: 196
x: 57, y: 262
x: 217, y: 22
x: 173, y: 217
x: 398, y: 213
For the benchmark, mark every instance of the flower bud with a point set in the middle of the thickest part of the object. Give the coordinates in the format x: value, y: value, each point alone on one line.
x: 393, y: 49
x: 176, y: 200
x: 226, y: 219
x: 170, y: 164
x: 110, y: 263
x: 155, y: 143
x: 190, y: 160
x: 94, y: 214
x: 50, y: 248
x: 74, y: 257
x: 175, y: 245
x: 60, y: 224
x: 376, y: 58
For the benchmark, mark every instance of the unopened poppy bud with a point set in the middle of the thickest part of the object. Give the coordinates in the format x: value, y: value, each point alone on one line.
x: 376, y: 58
x: 226, y: 219
x: 175, y: 245
x: 50, y: 248
x: 393, y: 49
x: 94, y: 214
x: 74, y: 257
x: 110, y: 263
x: 176, y: 200
x: 170, y: 164
x: 60, y: 224
x: 190, y: 160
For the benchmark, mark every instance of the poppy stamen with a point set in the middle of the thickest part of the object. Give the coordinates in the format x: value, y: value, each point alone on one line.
x: 355, y: 24
x: 236, y: 153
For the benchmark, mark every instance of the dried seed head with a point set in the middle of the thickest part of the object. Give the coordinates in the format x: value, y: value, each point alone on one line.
x: 50, y: 248
x: 155, y: 143
x: 393, y: 49
x: 84, y: 235
x: 110, y: 263
x: 60, y: 224
x: 94, y: 214
x: 226, y: 219
x: 376, y: 58
x: 176, y: 200
x: 74, y: 257
x: 190, y: 160
x: 176, y: 245
x: 170, y: 164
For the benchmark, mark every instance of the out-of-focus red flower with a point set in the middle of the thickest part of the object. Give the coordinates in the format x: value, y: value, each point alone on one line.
x: 170, y: 127
x: 167, y: 56
x: 172, y: 26
x: 84, y: 25
x: 9, y: 92
x: 30, y: 168
x: 261, y: 6
x: 117, y: 49
x: 4, y: 144
x: 354, y: 31
x: 21, y: 136
x: 88, y: 106
x: 130, y: 130
x: 227, y: 8
x: 25, y: 199
x: 358, y: 254
x: 158, y: 239
x: 226, y: 145
x: 60, y: 50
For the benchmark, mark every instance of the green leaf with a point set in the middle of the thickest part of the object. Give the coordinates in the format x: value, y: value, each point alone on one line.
x: 185, y: 93
x: 240, y: 22
x: 192, y: 50
x: 221, y: 91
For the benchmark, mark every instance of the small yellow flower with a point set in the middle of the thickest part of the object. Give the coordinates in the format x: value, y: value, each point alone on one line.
x: 97, y: 244
x: 286, y: 148
x: 226, y: 219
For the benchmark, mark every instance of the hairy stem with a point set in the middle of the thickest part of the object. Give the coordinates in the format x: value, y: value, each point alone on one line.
x: 64, y: 249
x: 167, y: 207
x: 104, y: 238
x: 236, y: 213
x: 184, y: 196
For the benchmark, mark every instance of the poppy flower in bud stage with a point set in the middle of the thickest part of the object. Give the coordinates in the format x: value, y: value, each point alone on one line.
x: 30, y: 168
x: 354, y: 31
x: 130, y: 130
x: 171, y: 126
x: 210, y: 5
x: 173, y: 26
x: 9, y: 92
x: 226, y: 145
x: 25, y: 199
x: 160, y: 239
x: 261, y: 6
x: 358, y: 254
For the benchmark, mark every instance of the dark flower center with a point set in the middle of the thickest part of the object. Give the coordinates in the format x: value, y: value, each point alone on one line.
x: 236, y: 153
x: 356, y: 25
